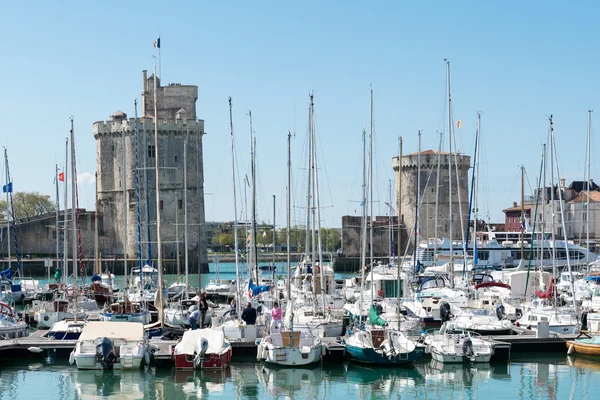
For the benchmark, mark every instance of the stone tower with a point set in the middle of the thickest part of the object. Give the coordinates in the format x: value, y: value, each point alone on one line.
x: 177, y: 124
x: 428, y: 178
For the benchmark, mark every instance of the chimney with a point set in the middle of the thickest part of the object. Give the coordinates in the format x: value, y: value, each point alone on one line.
x: 562, y: 183
x: 514, y: 203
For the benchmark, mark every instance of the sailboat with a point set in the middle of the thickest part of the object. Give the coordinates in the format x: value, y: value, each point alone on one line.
x: 128, y: 309
x: 377, y: 343
x: 292, y: 346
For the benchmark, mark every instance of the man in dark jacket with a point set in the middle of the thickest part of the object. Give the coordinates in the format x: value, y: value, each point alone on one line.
x: 249, y: 315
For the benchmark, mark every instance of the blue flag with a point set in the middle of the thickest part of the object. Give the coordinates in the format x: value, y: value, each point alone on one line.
x: 7, y: 188
x: 157, y: 43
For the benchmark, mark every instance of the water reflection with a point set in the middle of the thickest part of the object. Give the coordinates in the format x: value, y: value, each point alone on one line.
x: 199, y: 384
x: 116, y: 384
x: 374, y: 381
x: 290, y: 382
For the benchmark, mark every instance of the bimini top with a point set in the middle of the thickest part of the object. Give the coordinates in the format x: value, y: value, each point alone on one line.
x: 129, y: 331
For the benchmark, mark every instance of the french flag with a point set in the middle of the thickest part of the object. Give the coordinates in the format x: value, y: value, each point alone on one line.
x: 157, y: 43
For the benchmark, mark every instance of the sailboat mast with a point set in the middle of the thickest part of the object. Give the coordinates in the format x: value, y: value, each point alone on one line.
x: 437, y: 198
x: 587, y: 194
x: 313, y: 170
x: 318, y: 221
x: 73, y: 206
x: 416, y: 242
x: 235, y: 235
x: 399, y: 202
x: 97, y: 264
x: 57, y: 224
x: 274, y: 233
x: 289, y: 217
x: 451, y: 263
x: 8, y: 209
x: 65, y: 224
x: 159, y: 294
x: 390, y: 225
x: 137, y: 191
x: 185, y: 218
x: 370, y: 202
x: 523, y: 225
x: 363, y: 228
x: 253, y: 222
x: 476, y: 191
x: 309, y: 180
x: 124, y: 178
x: 552, y: 206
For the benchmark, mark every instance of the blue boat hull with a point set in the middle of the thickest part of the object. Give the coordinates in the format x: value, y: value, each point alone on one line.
x: 370, y: 356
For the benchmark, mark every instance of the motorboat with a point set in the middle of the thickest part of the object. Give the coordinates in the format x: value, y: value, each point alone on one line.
x: 450, y: 344
x: 111, y: 345
x: 290, y: 348
x: 205, y: 349
x: 584, y: 345
x: 177, y: 314
x: 11, y: 326
x: 220, y: 287
x: 65, y: 330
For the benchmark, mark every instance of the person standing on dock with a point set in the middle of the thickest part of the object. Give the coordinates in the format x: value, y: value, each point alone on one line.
x: 276, y: 317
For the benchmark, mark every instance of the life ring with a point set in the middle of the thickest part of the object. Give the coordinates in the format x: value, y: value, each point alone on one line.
x: 249, y: 293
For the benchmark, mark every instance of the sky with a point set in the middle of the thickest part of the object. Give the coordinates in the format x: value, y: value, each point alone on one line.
x: 515, y: 62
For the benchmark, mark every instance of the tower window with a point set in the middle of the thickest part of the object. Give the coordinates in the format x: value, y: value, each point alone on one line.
x: 175, y: 158
x: 151, y: 151
x: 161, y: 204
x: 180, y: 204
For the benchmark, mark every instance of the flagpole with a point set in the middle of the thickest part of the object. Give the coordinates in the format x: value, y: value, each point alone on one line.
x: 159, y: 65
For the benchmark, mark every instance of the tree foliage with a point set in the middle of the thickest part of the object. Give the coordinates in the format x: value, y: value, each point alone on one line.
x: 28, y: 204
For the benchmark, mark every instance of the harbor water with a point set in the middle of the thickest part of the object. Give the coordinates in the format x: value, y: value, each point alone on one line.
x: 551, y: 377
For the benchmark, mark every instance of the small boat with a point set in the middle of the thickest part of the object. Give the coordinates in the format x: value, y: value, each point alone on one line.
x: 452, y: 345
x: 65, y: 330
x: 279, y: 348
x: 588, y: 345
x: 55, y: 311
x: 383, y: 346
x: 111, y: 345
x: 10, y: 325
x: 220, y: 287
x: 178, y: 313
x: 205, y: 349
x: 127, y: 311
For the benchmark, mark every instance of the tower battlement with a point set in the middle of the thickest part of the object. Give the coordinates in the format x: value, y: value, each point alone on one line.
x: 116, y: 127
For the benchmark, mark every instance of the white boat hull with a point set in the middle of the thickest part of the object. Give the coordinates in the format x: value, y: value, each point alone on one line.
x: 45, y: 320
x: 292, y: 355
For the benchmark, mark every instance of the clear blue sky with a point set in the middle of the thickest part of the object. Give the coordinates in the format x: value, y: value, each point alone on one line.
x: 516, y: 63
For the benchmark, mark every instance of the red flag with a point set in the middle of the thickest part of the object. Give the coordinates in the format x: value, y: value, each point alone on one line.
x: 61, y: 176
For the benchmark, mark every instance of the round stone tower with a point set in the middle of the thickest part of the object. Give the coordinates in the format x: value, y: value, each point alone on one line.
x: 177, y: 126
x: 407, y: 194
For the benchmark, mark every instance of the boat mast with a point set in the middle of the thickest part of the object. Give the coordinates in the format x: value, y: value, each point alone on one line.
x: 451, y: 264
x: 185, y: 218
x: 309, y: 180
x: 523, y: 224
x: 159, y: 293
x: 73, y: 211
x: 416, y: 244
x: 476, y: 190
x: 8, y: 210
x: 390, y: 225
x: 65, y: 224
x: 123, y: 145
x: 363, y: 228
x: 137, y: 192
x: 235, y: 234
x: 253, y: 227
x: 313, y: 201
x: 552, y: 207
x: 399, y: 202
x: 370, y: 202
x: 97, y: 264
x: 318, y: 220
x: 437, y: 198
x: 57, y: 225
x: 287, y: 233
x: 587, y: 195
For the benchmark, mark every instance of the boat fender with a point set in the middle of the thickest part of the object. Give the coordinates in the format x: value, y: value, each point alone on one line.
x: 35, y: 350
x: 147, y: 357
x: 72, y: 358
x: 259, y: 352
x: 571, y: 349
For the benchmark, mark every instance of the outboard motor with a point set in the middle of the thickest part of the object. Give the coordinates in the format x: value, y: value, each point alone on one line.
x: 467, y: 349
x: 445, y: 313
x: 105, y: 353
x: 200, y: 350
x: 500, y: 311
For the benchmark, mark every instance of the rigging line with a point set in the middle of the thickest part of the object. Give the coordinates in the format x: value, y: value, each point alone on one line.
x: 353, y: 186
x: 322, y: 164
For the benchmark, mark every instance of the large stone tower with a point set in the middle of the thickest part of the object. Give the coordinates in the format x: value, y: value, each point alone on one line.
x: 428, y: 179
x: 177, y: 125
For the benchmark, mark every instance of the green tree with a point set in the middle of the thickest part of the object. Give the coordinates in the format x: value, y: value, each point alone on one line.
x: 28, y: 204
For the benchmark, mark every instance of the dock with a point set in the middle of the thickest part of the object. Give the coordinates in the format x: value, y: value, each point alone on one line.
x: 505, y: 346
